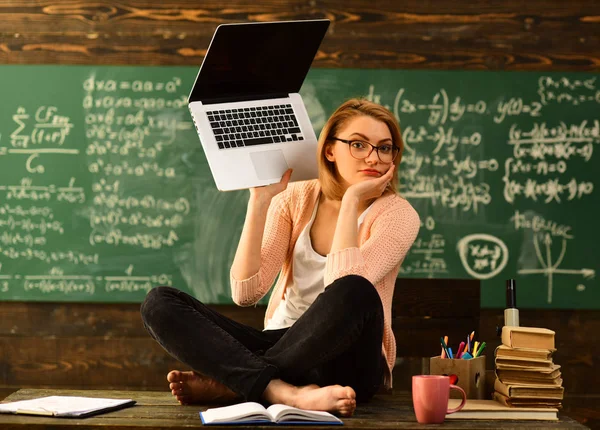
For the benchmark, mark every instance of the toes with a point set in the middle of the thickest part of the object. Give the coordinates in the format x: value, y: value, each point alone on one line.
x: 177, y: 388
x: 183, y: 399
x: 346, y: 412
x: 350, y: 393
x: 174, y: 376
x: 345, y: 404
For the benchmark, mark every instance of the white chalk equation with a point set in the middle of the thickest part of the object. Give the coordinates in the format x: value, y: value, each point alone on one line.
x: 57, y: 281
x: 566, y: 90
x: 482, y: 255
x: 427, y: 256
x: 446, y: 190
x: 560, y: 141
x: 545, y: 151
x: 43, y: 133
x: 26, y: 190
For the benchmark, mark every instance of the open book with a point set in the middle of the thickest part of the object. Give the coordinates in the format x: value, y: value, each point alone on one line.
x: 255, y: 413
x: 64, y: 406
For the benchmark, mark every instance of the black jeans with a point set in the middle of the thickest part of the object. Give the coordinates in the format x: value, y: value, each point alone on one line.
x: 336, y: 341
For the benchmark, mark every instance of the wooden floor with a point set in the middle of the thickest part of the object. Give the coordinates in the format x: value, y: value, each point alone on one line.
x: 158, y: 410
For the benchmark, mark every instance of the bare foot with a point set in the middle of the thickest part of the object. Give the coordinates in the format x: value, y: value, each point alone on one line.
x: 191, y: 387
x: 333, y: 398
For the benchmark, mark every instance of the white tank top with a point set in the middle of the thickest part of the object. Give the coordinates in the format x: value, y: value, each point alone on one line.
x: 308, y: 279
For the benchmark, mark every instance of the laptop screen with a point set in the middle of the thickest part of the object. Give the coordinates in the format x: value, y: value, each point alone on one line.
x: 258, y: 60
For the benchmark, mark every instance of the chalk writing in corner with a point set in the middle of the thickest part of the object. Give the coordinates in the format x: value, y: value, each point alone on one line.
x: 549, y: 267
x: 482, y: 255
x: 567, y: 90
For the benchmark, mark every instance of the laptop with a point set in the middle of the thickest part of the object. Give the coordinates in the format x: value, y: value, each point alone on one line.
x: 246, y: 105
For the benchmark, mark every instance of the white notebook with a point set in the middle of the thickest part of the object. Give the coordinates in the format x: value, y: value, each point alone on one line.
x: 64, y: 406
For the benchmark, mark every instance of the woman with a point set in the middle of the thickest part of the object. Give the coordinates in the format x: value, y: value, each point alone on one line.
x: 337, y: 244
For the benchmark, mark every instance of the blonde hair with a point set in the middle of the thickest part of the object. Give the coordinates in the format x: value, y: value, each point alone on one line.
x: 328, y: 175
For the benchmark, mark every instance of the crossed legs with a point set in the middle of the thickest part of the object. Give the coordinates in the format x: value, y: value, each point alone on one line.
x: 311, y: 365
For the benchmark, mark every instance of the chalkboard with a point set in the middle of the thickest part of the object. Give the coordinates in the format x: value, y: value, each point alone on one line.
x: 105, y: 191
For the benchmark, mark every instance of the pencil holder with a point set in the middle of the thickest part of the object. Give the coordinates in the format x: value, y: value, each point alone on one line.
x: 467, y: 374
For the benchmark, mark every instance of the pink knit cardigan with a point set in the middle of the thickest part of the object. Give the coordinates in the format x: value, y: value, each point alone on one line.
x: 385, y: 236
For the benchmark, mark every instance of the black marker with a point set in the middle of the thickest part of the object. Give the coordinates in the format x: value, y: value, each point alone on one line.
x: 511, y: 313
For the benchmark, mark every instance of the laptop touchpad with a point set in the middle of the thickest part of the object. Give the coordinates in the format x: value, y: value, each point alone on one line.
x: 269, y: 164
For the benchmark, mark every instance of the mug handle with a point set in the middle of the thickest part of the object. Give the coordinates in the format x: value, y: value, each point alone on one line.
x: 462, y: 404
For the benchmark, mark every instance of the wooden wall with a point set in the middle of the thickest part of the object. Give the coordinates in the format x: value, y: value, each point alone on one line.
x: 101, y: 345
x: 460, y: 34
x: 550, y: 35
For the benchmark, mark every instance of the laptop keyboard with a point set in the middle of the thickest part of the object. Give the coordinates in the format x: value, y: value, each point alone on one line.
x: 260, y: 125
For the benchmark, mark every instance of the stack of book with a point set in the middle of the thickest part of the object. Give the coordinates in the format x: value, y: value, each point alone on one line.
x: 526, y: 375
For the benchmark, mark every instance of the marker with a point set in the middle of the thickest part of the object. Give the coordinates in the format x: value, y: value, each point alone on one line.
x: 460, y: 349
x: 444, y: 345
x: 475, y: 349
x: 443, y: 354
x: 481, y: 348
x: 450, y: 353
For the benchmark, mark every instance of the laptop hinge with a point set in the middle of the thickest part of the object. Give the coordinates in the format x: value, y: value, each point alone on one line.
x: 213, y: 101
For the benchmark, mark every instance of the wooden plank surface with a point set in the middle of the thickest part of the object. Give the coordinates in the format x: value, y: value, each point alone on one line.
x: 159, y: 410
x: 487, y: 34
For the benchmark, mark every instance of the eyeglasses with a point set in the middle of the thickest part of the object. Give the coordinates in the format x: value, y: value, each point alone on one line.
x: 360, y: 150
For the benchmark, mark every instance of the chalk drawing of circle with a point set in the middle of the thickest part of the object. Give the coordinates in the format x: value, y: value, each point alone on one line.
x: 463, y: 248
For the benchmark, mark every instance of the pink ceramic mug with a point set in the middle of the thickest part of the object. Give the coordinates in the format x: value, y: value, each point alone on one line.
x: 430, y: 398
